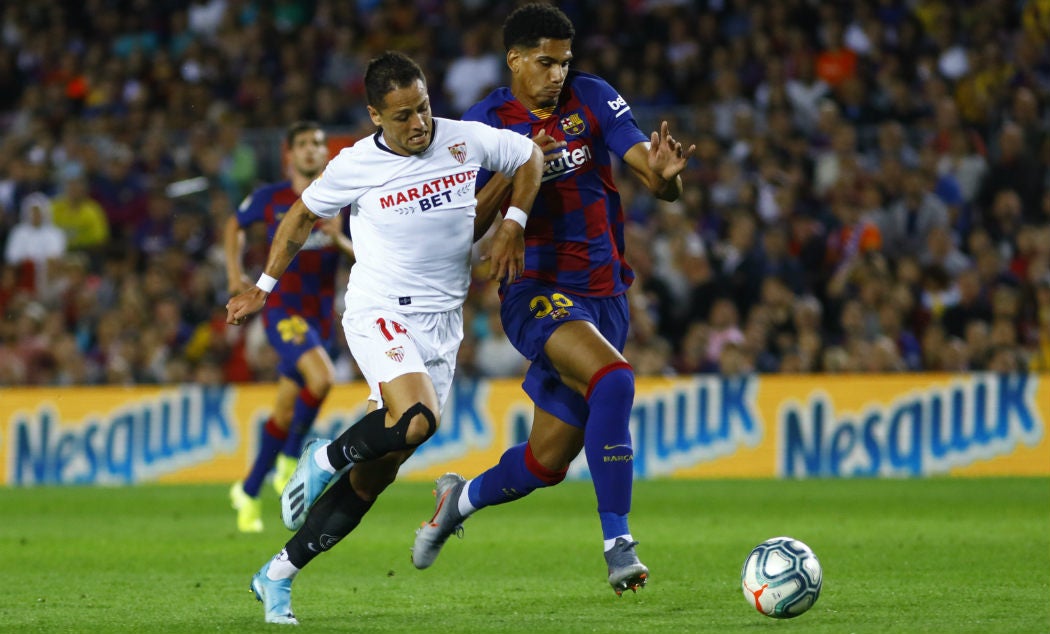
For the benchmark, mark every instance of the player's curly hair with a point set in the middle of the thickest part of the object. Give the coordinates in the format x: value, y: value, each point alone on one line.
x: 388, y: 72
x: 530, y: 23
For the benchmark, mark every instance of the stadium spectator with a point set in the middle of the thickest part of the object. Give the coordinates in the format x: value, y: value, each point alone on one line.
x: 80, y: 216
x: 806, y: 91
x: 1014, y: 169
x: 738, y: 264
x: 971, y: 304
x: 724, y: 330
x: 908, y: 221
x: 121, y: 190
x: 836, y: 64
x: 238, y: 167
x: 473, y: 73
x: 35, y: 244
x: 153, y: 234
x: 941, y: 251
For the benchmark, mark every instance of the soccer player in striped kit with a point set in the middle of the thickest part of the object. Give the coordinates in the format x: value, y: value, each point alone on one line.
x: 297, y: 317
x: 568, y: 314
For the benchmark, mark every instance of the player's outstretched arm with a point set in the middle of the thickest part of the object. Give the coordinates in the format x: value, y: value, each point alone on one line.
x: 508, y: 245
x: 659, y: 163
x: 289, y: 237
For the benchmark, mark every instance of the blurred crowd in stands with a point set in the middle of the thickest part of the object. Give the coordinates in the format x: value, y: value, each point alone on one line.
x: 870, y: 193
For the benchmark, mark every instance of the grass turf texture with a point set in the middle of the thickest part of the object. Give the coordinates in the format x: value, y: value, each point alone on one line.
x: 937, y: 555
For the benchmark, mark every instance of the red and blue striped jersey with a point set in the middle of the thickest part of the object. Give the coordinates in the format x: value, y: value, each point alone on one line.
x: 574, y: 238
x: 307, y: 287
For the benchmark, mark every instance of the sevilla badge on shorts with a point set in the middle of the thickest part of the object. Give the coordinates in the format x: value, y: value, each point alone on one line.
x: 397, y: 354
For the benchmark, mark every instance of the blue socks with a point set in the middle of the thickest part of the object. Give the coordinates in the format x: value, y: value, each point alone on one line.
x: 607, y: 444
x: 517, y: 475
x: 304, y: 412
x: 276, y: 440
x: 273, y: 438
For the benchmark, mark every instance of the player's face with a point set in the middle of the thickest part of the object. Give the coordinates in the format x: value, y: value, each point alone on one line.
x: 309, y: 153
x: 406, y: 119
x: 538, y: 74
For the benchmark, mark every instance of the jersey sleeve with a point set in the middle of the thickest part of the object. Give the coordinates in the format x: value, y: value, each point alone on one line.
x: 252, y: 208
x: 339, y: 185
x: 618, y: 125
x: 503, y: 151
x: 479, y: 113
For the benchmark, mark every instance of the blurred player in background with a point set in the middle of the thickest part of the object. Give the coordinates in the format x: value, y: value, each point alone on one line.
x: 568, y: 314
x: 411, y: 187
x: 297, y: 316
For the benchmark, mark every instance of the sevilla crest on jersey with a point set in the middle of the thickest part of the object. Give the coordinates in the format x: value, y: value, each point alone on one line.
x: 458, y: 151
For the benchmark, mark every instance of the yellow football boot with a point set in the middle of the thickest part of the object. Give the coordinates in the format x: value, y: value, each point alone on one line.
x: 283, y: 470
x: 249, y: 510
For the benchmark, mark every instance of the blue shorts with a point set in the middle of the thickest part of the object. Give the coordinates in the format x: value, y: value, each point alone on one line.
x: 291, y: 336
x: 531, y: 312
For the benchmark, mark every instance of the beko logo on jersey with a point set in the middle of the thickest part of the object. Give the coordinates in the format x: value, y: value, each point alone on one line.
x: 430, y: 194
x: 567, y: 163
x: 619, y: 105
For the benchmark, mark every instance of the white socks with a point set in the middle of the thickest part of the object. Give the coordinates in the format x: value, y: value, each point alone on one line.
x: 610, y: 542
x: 281, y: 568
x: 464, y: 505
x: 321, y: 459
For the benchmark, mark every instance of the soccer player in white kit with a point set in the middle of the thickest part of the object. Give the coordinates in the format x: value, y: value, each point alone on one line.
x: 411, y: 191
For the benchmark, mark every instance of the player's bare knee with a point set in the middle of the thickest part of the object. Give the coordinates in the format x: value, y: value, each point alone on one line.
x: 282, y: 419
x: 320, y: 386
x: 420, y: 424
x: 549, y: 469
x: 553, y: 457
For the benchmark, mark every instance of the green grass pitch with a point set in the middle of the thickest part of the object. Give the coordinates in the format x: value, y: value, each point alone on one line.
x: 935, y: 555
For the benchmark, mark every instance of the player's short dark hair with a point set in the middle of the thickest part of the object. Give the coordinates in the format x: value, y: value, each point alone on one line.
x: 388, y: 72
x: 298, y: 128
x: 530, y: 23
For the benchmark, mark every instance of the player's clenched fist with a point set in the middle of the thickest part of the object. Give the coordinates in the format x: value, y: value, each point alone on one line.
x: 240, y: 307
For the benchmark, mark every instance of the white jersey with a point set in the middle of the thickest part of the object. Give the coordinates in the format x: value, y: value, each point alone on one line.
x: 412, y: 217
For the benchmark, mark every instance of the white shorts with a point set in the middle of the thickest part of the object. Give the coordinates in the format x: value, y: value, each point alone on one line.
x: 387, y: 344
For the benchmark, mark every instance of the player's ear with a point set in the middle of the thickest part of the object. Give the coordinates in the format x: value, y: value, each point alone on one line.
x: 513, y: 59
x: 373, y: 114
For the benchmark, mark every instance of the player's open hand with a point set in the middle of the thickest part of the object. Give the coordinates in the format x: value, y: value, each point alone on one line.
x: 667, y: 157
x: 507, y: 252
x: 242, y: 306
x: 549, y: 146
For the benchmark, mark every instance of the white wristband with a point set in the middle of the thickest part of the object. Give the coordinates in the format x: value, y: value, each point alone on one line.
x: 517, y: 215
x: 266, y: 283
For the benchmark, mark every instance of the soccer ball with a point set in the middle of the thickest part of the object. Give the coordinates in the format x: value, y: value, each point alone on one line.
x: 781, y: 578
